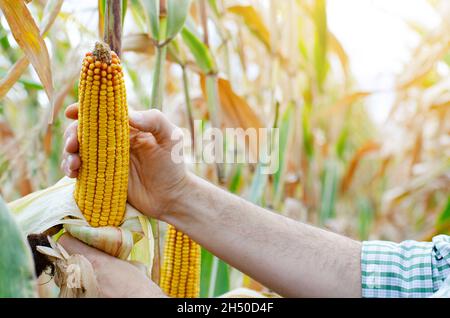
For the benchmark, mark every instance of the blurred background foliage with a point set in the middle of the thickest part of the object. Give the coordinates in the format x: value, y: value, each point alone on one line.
x: 275, y: 64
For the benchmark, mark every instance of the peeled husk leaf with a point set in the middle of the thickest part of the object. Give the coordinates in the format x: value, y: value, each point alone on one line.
x: 40, y: 211
x: 83, y: 278
x: 116, y: 241
x: 74, y: 274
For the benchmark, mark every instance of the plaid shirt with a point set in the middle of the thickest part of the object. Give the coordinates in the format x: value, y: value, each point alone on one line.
x: 408, y: 269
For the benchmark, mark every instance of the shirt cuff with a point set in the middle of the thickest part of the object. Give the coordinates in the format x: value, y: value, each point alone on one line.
x: 397, y: 270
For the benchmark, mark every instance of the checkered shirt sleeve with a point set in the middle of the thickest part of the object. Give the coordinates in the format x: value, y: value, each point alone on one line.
x: 407, y: 269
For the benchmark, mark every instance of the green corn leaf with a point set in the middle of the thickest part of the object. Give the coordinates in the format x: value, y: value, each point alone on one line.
x: 258, y: 185
x: 192, y: 26
x: 236, y: 180
x: 302, y: 41
x: 285, y: 131
x: 55, y: 155
x: 447, y: 59
x: 444, y: 217
x: 329, y: 191
x: 308, y: 139
x: 177, y: 12
x: 365, y: 217
x: 205, y: 272
x: 101, y: 17
x: 124, y: 10
x: 17, y: 277
x: 176, y: 54
x: 4, y: 42
x: 200, y: 51
x: 151, y: 9
x: 341, y: 144
x: 215, y: 277
x: 320, y: 41
x: 215, y: 8
x: 29, y: 84
x: 137, y: 13
x: 102, y: 7
x: 222, y: 284
x: 212, y: 100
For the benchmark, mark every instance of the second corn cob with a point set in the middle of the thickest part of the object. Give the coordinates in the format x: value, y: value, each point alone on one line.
x: 180, y: 274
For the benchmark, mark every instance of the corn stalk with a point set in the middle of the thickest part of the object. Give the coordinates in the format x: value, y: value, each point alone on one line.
x: 113, y: 25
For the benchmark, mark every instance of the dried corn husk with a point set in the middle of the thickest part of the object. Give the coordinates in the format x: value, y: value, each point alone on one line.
x: 74, y: 274
x: 42, y: 210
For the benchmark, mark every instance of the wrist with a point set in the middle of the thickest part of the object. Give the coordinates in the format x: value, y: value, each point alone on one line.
x: 157, y: 204
x: 182, y: 207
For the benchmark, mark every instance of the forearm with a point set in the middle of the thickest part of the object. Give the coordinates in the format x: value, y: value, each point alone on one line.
x: 292, y: 258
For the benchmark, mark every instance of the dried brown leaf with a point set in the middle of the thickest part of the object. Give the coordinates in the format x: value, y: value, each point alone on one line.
x: 237, y: 113
x: 138, y: 43
x: 365, y: 149
x: 27, y: 35
x: 336, y: 47
x: 13, y: 75
x: 341, y: 104
x: 254, y: 22
x: 16, y: 71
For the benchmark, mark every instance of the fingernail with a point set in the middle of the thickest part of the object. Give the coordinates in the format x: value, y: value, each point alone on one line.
x: 135, y: 116
x: 69, y: 162
x: 63, y: 165
x: 67, y: 142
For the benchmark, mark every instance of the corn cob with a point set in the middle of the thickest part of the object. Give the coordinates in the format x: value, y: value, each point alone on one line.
x: 180, y: 274
x: 103, y: 135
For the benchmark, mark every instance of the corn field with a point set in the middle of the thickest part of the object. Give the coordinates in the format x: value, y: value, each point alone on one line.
x: 244, y: 64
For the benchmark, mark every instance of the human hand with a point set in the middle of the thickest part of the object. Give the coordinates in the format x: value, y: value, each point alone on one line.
x: 155, y: 180
x: 116, y: 278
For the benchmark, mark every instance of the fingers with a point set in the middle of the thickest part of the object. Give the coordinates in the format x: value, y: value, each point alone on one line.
x: 70, y: 135
x: 72, y: 111
x: 71, y: 162
x: 74, y: 246
x: 70, y: 165
x: 154, y: 122
x: 116, y: 278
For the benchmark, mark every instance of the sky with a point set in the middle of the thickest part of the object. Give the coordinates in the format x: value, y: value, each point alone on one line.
x: 378, y: 40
